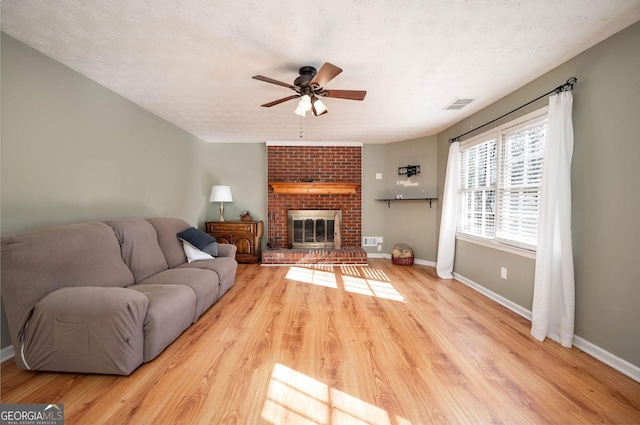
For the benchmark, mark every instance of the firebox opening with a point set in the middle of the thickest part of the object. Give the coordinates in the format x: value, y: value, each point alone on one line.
x: 312, y: 228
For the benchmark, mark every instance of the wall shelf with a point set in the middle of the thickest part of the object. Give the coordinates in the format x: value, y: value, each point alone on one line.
x: 318, y: 188
x: 388, y: 201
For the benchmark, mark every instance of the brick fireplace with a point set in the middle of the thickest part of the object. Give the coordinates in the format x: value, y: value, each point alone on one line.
x: 324, y: 177
x: 313, y: 228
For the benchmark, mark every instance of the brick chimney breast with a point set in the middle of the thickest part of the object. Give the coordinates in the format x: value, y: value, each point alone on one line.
x: 329, y: 164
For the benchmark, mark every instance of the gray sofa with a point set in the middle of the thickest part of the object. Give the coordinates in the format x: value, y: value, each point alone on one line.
x: 105, y: 297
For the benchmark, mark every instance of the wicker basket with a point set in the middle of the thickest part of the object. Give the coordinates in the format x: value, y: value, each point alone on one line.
x: 402, y: 255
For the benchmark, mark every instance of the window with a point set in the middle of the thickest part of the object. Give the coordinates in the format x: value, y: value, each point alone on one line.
x: 477, y: 194
x: 500, y: 181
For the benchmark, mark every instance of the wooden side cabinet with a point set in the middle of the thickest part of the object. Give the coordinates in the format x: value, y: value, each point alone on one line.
x: 245, y: 235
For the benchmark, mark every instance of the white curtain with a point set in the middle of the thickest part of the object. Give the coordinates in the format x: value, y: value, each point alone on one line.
x: 449, y: 217
x: 554, y: 287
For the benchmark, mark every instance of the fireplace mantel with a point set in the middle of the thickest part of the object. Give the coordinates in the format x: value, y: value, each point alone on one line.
x: 316, y: 188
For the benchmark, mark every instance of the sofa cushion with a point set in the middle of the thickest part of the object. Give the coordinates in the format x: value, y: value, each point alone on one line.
x: 86, y: 329
x: 224, y: 267
x: 170, y: 312
x: 227, y: 250
x: 39, y: 262
x: 204, y: 283
x: 167, y: 228
x: 139, y: 247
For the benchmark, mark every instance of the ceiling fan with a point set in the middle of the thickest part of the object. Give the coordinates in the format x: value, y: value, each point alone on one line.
x: 309, y: 87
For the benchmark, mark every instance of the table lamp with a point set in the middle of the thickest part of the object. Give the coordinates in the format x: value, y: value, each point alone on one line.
x: 221, y: 194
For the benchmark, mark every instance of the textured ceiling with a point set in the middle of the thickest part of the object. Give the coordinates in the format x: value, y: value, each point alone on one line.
x: 191, y: 61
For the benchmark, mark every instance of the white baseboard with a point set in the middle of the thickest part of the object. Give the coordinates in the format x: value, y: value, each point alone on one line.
x: 497, y: 298
x: 425, y: 263
x: 621, y: 365
x: 415, y: 261
x: 6, y: 353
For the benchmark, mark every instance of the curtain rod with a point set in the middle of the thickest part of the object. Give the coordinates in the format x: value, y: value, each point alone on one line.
x: 566, y: 86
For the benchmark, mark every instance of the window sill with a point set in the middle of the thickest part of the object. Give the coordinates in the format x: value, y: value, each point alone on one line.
x: 496, y: 245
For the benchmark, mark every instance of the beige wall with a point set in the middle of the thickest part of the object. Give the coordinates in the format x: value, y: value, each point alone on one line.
x: 606, y: 205
x: 244, y: 168
x: 373, y: 224
x: 74, y: 151
x: 412, y: 222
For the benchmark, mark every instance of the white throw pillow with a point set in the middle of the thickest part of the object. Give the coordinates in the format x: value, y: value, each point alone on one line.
x: 194, y: 254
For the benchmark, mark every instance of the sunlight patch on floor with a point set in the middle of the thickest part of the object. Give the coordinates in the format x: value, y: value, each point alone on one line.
x: 369, y: 281
x: 315, y: 277
x: 371, y: 288
x: 376, y: 274
x: 295, y: 398
x: 359, y: 280
x: 357, y: 285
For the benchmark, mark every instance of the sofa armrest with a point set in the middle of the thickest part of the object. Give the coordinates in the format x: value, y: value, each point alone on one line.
x: 227, y: 250
x: 86, y: 330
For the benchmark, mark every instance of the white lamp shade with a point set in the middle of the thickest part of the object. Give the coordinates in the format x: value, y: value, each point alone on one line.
x: 305, y: 103
x: 300, y: 111
x: 221, y: 194
x: 319, y: 106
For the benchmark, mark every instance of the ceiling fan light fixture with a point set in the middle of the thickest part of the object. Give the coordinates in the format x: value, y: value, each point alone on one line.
x: 319, y: 106
x: 304, y: 105
x: 305, y: 102
x: 300, y: 111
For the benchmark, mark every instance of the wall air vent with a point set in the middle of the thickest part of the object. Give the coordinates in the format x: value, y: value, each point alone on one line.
x: 458, y: 104
x: 369, y: 241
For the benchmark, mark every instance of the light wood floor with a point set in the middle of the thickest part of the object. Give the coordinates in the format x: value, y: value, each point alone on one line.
x: 382, y: 344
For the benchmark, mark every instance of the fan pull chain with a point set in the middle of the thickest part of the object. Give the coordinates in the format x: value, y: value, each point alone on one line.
x: 301, y: 127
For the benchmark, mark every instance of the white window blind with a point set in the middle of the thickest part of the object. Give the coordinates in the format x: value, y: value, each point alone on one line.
x: 500, y: 179
x: 478, y: 189
x: 521, y: 154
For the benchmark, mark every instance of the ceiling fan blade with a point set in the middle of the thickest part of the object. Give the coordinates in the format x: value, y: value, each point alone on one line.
x: 345, y: 94
x: 276, y: 102
x: 327, y: 73
x: 272, y: 81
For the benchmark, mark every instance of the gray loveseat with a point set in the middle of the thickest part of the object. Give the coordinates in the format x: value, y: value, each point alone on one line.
x: 105, y: 297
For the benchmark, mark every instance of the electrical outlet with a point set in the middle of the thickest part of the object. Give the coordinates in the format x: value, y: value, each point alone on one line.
x: 378, y: 176
x: 503, y: 273
x: 379, y: 247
